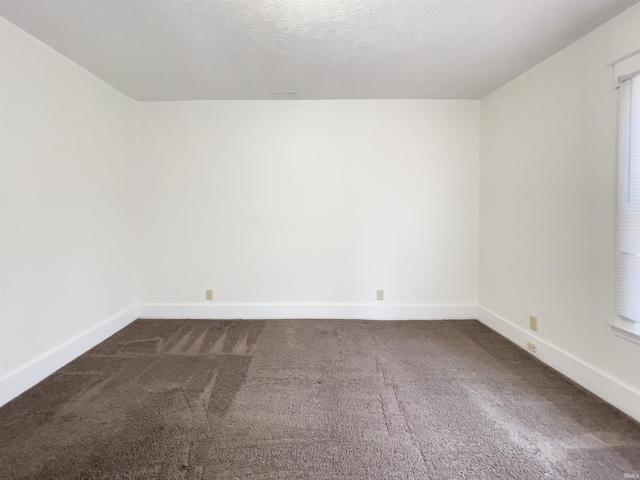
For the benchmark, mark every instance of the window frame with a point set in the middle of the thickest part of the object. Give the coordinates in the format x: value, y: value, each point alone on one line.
x: 625, y: 72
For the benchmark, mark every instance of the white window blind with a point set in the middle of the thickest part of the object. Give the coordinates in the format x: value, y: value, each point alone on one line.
x: 629, y: 200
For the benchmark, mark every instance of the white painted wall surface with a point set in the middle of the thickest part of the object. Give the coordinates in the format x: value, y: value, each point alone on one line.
x: 67, y: 249
x: 548, y: 203
x: 308, y: 202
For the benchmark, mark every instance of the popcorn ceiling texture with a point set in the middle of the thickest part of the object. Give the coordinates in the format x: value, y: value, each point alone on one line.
x: 244, y: 49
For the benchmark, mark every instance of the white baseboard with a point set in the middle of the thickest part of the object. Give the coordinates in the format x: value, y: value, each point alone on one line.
x: 325, y: 311
x: 29, y: 374
x: 618, y: 394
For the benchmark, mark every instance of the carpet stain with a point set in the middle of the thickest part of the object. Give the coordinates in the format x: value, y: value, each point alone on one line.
x: 311, y: 399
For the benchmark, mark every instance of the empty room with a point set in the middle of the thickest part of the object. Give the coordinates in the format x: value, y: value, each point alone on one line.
x: 319, y: 239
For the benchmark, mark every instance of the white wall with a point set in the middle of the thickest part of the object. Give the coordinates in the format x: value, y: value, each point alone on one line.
x: 547, y: 211
x: 308, y: 202
x: 67, y: 250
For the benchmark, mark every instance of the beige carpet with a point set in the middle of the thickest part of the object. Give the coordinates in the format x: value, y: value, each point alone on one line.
x: 312, y: 399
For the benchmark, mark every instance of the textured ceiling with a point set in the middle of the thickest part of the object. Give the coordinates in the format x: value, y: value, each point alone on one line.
x: 244, y: 49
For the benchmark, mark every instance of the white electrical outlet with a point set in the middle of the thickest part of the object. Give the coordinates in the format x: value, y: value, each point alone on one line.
x: 380, y: 295
x: 533, y: 323
x: 209, y: 294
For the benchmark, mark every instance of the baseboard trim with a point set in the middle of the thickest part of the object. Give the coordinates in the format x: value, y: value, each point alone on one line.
x: 26, y: 376
x: 618, y: 394
x: 311, y: 311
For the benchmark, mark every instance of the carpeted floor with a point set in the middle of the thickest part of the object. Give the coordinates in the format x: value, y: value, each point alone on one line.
x: 312, y: 399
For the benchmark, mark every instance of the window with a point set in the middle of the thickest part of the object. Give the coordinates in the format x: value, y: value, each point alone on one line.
x: 628, y: 236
